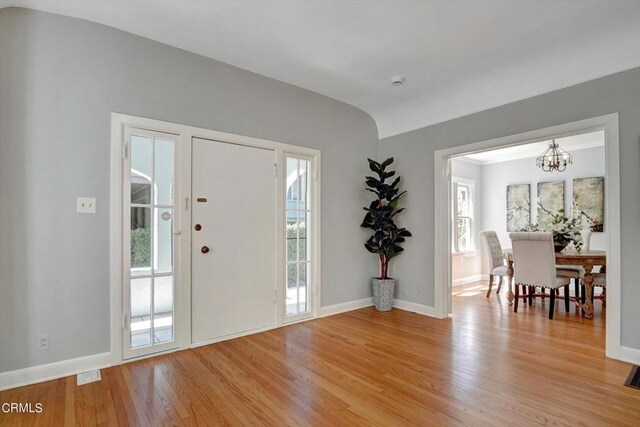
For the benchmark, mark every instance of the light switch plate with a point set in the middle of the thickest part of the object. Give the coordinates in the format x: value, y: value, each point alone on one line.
x: 86, y: 205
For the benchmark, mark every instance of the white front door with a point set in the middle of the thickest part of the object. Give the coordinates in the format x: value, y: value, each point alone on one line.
x: 234, y: 231
x: 150, y: 241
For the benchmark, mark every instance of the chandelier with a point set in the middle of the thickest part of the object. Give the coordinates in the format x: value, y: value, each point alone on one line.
x: 554, y: 158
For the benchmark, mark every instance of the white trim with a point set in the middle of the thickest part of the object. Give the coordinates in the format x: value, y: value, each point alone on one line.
x: 237, y: 335
x: 469, y: 279
x: 185, y: 136
x: 425, y: 310
x: 468, y: 254
x: 330, y: 310
x: 53, y: 371
x: 471, y: 161
x: 628, y: 354
x: 442, y: 184
x: 115, y: 239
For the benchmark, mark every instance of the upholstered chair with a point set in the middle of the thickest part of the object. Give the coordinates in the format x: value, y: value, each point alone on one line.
x: 576, y: 272
x: 534, y: 263
x: 497, y: 266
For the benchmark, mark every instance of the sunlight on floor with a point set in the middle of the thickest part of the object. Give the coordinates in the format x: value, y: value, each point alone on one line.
x: 468, y: 294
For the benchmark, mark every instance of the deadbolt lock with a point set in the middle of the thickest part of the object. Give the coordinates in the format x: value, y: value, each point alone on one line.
x: 204, y: 249
x: 197, y: 227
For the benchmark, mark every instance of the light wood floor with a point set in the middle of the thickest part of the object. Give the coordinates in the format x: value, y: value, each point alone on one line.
x: 486, y: 366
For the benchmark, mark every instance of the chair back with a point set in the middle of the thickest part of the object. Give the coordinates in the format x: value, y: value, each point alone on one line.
x: 491, y: 245
x: 534, y: 258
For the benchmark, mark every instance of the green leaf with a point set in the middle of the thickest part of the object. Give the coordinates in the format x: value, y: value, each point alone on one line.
x: 374, y: 166
x: 386, y: 163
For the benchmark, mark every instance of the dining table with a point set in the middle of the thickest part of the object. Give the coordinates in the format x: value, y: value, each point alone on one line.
x: 588, y: 259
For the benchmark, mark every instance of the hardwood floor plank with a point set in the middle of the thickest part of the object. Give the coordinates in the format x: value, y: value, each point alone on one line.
x: 485, y: 366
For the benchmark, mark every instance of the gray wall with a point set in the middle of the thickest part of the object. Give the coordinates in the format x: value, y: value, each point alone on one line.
x: 496, y: 176
x: 414, y: 153
x: 60, y: 79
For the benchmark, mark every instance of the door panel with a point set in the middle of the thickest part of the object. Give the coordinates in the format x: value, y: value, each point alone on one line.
x: 234, y: 202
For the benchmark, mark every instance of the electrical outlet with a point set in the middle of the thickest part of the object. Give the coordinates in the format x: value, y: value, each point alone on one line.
x: 43, y: 342
x: 86, y: 205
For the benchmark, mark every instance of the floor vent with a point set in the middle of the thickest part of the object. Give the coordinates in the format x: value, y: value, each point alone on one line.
x: 88, y: 377
x: 634, y: 378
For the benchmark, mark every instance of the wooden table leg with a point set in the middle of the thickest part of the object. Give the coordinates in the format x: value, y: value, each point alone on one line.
x: 510, y: 296
x: 588, y: 290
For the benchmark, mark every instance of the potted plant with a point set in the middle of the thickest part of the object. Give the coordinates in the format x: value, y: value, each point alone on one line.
x: 565, y: 230
x: 387, y: 236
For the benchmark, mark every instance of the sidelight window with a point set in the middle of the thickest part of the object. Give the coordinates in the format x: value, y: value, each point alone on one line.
x: 298, y: 236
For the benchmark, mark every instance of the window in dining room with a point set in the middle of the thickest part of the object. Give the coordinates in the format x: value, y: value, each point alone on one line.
x: 463, y: 216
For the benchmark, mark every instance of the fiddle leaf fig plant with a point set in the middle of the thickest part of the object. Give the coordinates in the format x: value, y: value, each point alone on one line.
x: 387, y: 236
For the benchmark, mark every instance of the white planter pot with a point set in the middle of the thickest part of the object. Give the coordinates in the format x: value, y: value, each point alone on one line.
x: 383, y: 293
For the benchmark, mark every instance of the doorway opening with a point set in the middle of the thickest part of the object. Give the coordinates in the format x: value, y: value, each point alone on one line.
x: 461, y: 215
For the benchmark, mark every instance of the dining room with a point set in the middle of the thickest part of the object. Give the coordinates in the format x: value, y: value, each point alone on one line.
x: 528, y: 238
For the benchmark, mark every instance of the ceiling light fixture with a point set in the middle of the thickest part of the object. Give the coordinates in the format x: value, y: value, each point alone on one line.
x: 397, y: 81
x: 554, y: 158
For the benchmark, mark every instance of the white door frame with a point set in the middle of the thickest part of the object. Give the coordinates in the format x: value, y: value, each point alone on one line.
x: 183, y: 297
x: 442, y: 171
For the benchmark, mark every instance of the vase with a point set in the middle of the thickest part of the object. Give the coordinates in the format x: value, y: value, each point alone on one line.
x: 383, y: 293
x: 558, y: 246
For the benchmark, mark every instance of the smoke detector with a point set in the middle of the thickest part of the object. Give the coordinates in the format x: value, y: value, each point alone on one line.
x: 397, y: 81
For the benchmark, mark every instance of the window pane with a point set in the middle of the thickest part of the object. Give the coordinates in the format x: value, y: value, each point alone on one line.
x: 304, y: 285
x: 302, y: 236
x: 292, y: 289
x: 163, y: 239
x: 163, y: 172
x: 292, y: 275
x: 140, y: 241
x: 464, y: 204
x: 140, y: 312
x: 292, y: 180
x: 292, y: 236
x: 464, y: 234
x: 163, y: 309
x: 141, y: 169
x: 302, y: 181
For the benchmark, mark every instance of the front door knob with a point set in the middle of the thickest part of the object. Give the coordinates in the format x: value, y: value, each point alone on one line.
x: 204, y: 249
x: 198, y: 227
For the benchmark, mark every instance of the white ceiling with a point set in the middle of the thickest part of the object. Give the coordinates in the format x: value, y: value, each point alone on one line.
x: 534, y: 149
x: 458, y: 57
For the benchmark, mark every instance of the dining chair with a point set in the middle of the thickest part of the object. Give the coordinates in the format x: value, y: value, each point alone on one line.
x: 535, y: 266
x: 576, y: 272
x: 497, y: 265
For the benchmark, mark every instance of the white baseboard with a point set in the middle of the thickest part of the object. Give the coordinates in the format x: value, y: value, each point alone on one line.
x: 233, y: 336
x: 52, y: 371
x: 631, y: 355
x: 469, y: 279
x: 330, y: 310
x: 414, y: 307
x: 368, y: 302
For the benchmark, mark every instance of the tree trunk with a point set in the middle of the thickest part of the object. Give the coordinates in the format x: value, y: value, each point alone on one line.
x: 384, y: 263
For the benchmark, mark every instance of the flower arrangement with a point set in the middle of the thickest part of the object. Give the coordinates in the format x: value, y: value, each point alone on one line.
x: 565, y: 230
